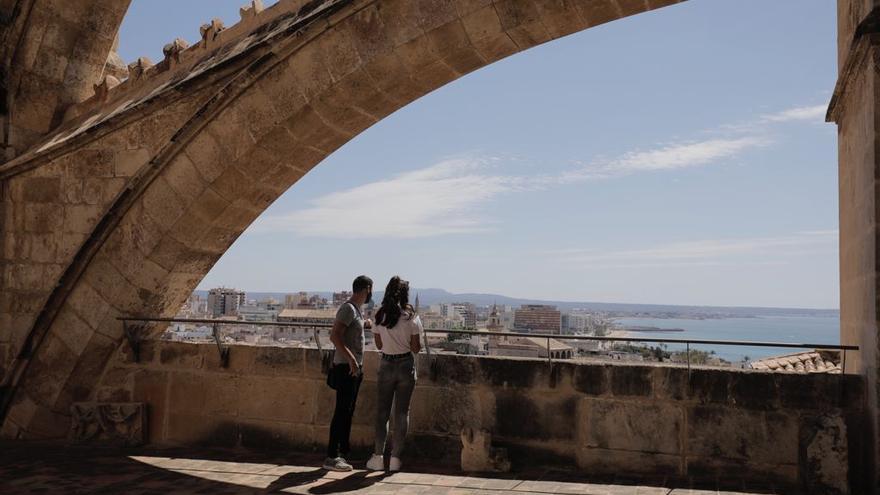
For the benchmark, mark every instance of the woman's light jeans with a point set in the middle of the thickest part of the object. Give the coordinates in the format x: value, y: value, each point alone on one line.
x: 396, y: 381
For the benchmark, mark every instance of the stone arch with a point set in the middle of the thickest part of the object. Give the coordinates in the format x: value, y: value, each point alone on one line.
x: 283, y: 109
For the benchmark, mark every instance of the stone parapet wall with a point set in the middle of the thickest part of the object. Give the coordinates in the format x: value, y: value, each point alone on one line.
x: 798, y: 430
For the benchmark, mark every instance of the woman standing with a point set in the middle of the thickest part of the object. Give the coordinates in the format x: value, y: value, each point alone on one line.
x: 396, y: 334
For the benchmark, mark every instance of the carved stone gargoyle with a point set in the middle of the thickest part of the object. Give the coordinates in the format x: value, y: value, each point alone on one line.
x: 172, y: 51
x: 252, y: 9
x: 114, y: 423
x: 210, y: 31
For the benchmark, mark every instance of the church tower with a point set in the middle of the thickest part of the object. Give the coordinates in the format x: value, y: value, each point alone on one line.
x: 494, y: 320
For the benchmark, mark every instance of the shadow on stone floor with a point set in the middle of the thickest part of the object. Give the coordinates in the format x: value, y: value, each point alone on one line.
x: 27, y: 468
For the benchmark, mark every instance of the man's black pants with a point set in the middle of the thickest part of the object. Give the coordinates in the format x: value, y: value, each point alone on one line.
x: 347, y: 387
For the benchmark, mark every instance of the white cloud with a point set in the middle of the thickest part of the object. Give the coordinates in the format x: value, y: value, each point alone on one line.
x: 437, y: 200
x: 814, y: 113
x: 704, y: 252
x: 446, y: 198
x: 667, y: 157
x: 685, y: 155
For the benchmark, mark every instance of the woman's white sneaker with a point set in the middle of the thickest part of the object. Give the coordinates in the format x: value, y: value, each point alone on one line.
x: 394, y: 464
x: 376, y: 463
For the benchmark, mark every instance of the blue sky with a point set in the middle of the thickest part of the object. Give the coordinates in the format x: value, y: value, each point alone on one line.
x: 674, y: 157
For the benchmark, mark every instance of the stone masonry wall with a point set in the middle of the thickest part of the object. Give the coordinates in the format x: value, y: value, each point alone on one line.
x: 797, y: 430
x: 854, y: 109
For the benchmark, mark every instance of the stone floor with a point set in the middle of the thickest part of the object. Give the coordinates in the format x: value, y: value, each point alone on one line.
x: 39, y: 468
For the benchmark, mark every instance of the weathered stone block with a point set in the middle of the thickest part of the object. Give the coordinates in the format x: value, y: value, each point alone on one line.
x: 162, y: 203
x: 344, y: 115
x: 598, y: 461
x: 632, y: 426
x: 367, y: 32
x: 43, y: 248
x: 42, y: 189
x: 130, y: 161
x: 542, y: 417
x: 522, y: 22
x: 560, y: 18
x: 756, y: 437
x: 812, y: 392
x: 72, y: 330
x: 80, y: 219
x: 92, y: 163
x: 47, y: 423
x: 783, y: 476
x: 289, y: 400
x: 50, y: 370
x: 338, y: 52
x: 631, y: 7
x: 510, y: 373
x: 598, y: 11
x: 187, y: 393
x: 631, y: 381
x: 279, y: 361
x: 824, y: 455
x: 198, y: 429
x: 262, y: 435
x: 307, y: 127
x: 446, y: 410
x: 218, y: 239
x: 400, y: 20
x: 442, y: 370
x: 710, y: 386
x: 44, y: 217
x: 754, y: 390
x: 434, y: 13
x: 670, y: 383
x: 88, y: 304
x: 367, y: 402
x: 86, y: 375
x: 182, y: 356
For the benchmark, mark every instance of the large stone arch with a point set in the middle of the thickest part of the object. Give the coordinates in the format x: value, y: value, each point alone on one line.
x: 233, y: 137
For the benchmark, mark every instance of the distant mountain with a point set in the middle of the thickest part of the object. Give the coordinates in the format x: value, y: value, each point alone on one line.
x: 435, y: 296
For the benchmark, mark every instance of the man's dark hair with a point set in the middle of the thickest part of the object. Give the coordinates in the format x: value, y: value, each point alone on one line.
x: 361, y: 283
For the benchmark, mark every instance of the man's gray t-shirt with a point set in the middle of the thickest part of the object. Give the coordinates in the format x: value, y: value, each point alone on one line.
x: 353, y: 336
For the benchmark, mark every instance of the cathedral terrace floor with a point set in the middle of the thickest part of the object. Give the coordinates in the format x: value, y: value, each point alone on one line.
x: 27, y: 468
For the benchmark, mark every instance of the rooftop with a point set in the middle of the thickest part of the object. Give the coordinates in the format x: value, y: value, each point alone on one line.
x: 817, y: 361
x: 307, y: 313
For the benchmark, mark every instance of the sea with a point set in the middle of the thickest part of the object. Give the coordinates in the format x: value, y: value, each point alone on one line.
x: 784, y: 329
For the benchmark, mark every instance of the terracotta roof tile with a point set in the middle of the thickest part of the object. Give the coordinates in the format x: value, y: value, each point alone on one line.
x: 817, y: 361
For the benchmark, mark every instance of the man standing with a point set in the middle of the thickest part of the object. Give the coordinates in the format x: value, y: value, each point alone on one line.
x: 346, y: 375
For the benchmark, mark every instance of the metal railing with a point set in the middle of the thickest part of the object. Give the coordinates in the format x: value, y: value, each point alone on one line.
x: 134, y: 338
x: 686, y: 342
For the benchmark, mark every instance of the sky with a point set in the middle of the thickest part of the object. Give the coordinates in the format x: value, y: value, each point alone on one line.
x: 679, y: 156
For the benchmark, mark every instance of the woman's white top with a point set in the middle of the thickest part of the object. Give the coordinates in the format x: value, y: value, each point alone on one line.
x: 396, y: 340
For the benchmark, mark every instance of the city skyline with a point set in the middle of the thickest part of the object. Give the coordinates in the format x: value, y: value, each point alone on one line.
x: 676, y: 157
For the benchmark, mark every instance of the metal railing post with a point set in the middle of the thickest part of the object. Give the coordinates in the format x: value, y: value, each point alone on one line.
x: 223, y: 351
x: 317, y: 335
x: 427, y: 347
x: 688, y: 347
